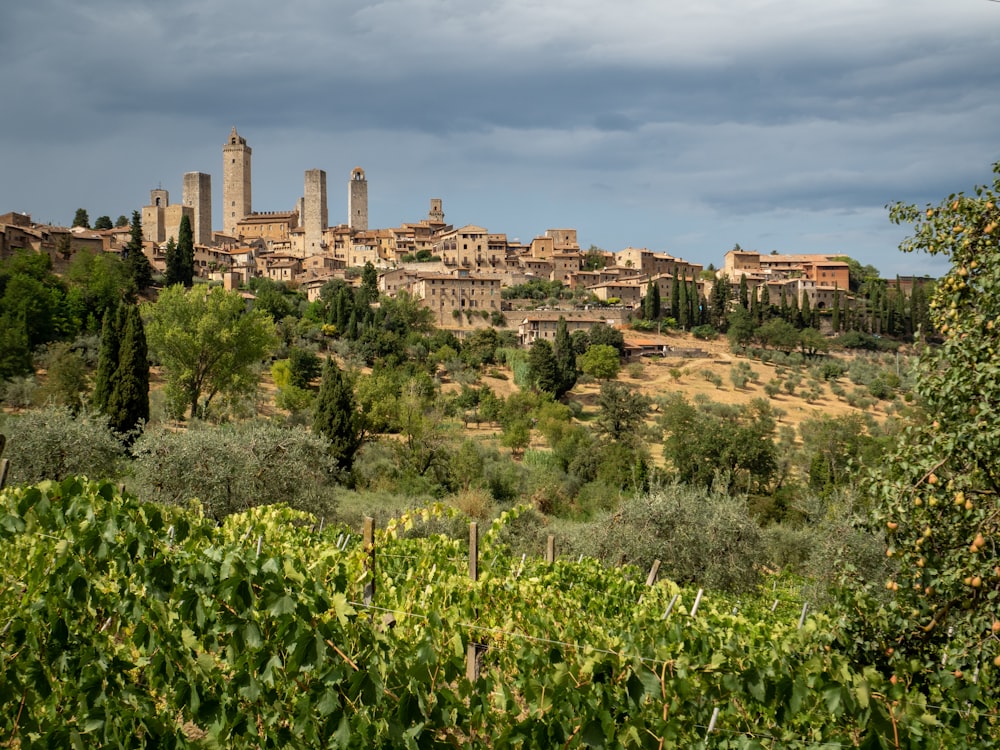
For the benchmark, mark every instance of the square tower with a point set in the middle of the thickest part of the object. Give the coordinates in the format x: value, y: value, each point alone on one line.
x: 236, y: 202
x: 198, y: 197
x: 357, y: 201
x: 314, y: 211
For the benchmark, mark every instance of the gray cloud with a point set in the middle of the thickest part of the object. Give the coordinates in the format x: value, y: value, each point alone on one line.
x: 676, y: 126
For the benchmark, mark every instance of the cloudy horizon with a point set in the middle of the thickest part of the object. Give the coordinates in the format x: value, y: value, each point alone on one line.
x: 778, y: 125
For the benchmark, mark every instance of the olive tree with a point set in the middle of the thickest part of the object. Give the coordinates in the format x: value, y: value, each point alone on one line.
x: 230, y: 468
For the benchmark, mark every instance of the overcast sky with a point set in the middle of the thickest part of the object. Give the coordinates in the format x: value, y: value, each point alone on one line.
x: 684, y: 127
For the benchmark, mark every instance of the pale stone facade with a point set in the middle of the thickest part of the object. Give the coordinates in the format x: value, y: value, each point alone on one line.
x: 236, y: 182
x: 458, y: 300
x: 314, y: 212
x: 197, y: 196
x: 357, y: 200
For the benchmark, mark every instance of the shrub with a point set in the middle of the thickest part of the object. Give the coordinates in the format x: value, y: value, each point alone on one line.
x: 234, y: 467
x: 701, y: 537
x: 51, y: 443
x: 705, y: 333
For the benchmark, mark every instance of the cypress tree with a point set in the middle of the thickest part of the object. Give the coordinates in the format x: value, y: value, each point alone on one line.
x: 675, y: 303
x: 755, y: 306
x: 337, y: 418
x: 719, y: 304
x: 682, y: 305
x: 794, y: 314
x: 107, y: 357
x: 139, y: 269
x: 185, y: 252
x: 562, y: 349
x: 694, y: 302
x: 806, y: 314
x: 174, y: 272
x: 647, y: 302
x: 744, y: 292
x: 128, y: 402
x: 542, y: 366
x: 835, y: 315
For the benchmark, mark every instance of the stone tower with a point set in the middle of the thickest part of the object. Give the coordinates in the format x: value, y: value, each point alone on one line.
x: 198, y: 196
x: 357, y: 201
x: 314, y: 211
x: 153, y: 216
x: 235, y: 182
x: 436, y: 214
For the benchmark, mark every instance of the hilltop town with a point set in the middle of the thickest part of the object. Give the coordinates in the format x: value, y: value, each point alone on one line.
x: 456, y: 272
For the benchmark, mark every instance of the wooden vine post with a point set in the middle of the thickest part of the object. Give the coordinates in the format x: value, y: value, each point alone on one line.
x: 368, y: 533
x: 474, y: 650
x: 550, y: 550
x: 4, y: 463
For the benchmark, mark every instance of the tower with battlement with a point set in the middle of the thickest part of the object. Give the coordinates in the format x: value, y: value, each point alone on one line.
x: 436, y: 214
x: 314, y: 211
x: 198, y: 197
x: 236, y: 196
x: 357, y: 201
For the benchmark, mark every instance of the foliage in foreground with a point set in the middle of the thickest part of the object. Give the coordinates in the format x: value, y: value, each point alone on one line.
x: 133, y: 624
x: 937, y: 498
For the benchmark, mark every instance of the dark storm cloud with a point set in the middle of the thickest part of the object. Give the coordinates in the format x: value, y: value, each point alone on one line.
x: 773, y: 108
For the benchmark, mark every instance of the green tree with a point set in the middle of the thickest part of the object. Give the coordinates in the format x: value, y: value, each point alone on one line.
x: 562, y: 350
x: 232, y: 467
x: 305, y: 366
x: 15, y: 349
x: 594, y: 259
x: 208, y: 344
x: 718, y: 305
x: 600, y: 361
x: 101, y: 281
x: 812, y: 342
x: 139, y: 270
x: 81, y: 219
x: 107, y: 357
x: 66, y: 376
x: 651, y: 306
x: 185, y: 251
x: 622, y: 412
x: 741, y: 329
x: 602, y: 333
x: 121, y: 221
x: 732, y: 446
x: 52, y: 443
x: 103, y: 222
x: 173, y: 273
x: 542, y: 367
x: 937, y: 491
x: 337, y: 417
x: 701, y: 538
x: 779, y: 334
x: 128, y: 400
x: 369, y: 282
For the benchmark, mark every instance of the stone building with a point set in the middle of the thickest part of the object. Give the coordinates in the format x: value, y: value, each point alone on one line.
x: 197, y: 196
x: 314, y: 212
x: 357, y: 200
x: 236, y: 182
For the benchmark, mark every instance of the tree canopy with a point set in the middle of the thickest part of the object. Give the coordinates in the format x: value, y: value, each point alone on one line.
x: 209, y: 344
x: 937, y: 494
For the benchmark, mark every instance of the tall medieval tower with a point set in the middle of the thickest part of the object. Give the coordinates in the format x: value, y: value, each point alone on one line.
x: 198, y: 196
x: 314, y: 216
x: 235, y: 182
x: 357, y: 201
